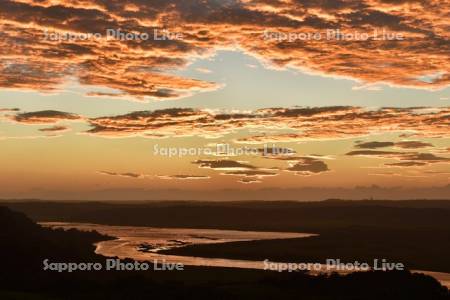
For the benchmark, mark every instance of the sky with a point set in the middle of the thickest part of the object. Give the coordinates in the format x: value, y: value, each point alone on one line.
x: 224, y: 100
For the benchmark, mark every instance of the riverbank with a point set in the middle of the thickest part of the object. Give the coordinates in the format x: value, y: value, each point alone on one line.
x: 22, y: 275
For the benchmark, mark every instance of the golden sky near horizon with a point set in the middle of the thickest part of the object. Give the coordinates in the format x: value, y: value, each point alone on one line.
x: 224, y: 99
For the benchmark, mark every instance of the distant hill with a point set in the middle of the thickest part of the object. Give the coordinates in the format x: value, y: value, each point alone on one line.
x: 265, y: 216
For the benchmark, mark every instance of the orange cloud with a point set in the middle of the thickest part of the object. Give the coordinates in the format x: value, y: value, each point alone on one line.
x: 308, y: 123
x: 141, y: 68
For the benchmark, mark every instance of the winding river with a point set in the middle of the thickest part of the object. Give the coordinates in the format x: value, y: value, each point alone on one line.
x: 144, y: 243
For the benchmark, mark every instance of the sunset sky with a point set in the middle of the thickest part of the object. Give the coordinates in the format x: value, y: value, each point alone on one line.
x: 316, y: 117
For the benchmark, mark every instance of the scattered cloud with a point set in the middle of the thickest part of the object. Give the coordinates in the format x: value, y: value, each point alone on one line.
x: 3, y: 110
x: 44, y: 117
x: 54, y: 129
x: 252, y: 173
x: 224, y: 165
x: 425, y: 157
x: 126, y: 175
x: 376, y: 153
x: 309, y: 123
x: 412, y: 145
x: 403, y: 145
x: 407, y: 159
x: 249, y: 180
x: 183, y: 177
x: 308, y: 166
x: 374, y: 145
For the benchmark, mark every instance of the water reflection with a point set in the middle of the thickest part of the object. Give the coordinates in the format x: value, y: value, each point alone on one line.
x: 144, y: 243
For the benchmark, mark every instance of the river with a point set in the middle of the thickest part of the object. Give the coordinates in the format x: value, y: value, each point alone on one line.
x: 144, y: 243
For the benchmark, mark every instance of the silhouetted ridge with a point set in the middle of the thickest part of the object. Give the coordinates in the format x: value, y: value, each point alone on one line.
x: 15, y: 222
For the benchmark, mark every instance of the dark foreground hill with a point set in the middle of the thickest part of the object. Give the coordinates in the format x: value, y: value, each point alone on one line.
x: 25, y: 245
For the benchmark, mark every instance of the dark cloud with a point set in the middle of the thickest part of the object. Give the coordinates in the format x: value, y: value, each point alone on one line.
x: 54, y: 129
x: 425, y: 157
x: 249, y: 180
x: 45, y: 117
x: 374, y: 145
x: 127, y: 174
x: 252, y: 173
x: 309, y: 111
x: 412, y: 144
x: 223, y: 165
x: 377, y: 153
x: 308, y: 166
x: 173, y: 120
x: 249, y: 172
x: 9, y: 109
x: 183, y: 177
x: 403, y: 144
